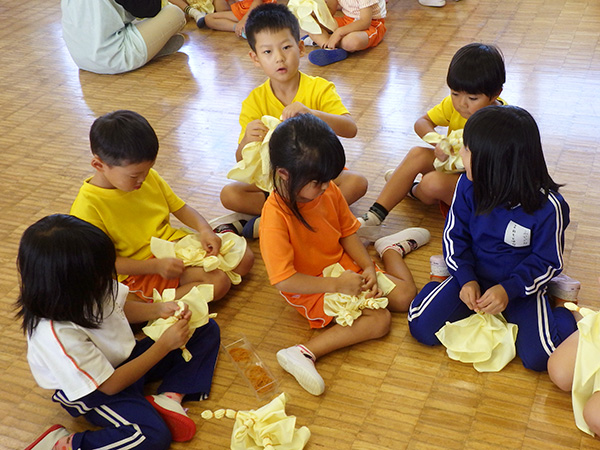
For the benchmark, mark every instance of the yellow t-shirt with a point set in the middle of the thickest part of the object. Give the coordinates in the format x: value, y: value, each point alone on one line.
x: 444, y: 115
x: 313, y: 92
x: 130, y: 219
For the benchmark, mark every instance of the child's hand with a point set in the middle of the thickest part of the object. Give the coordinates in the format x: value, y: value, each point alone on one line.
x: 469, y: 294
x: 370, y: 285
x: 169, y: 268
x: 176, y: 335
x: 239, y: 28
x: 210, y: 242
x: 167, y: 309
x: 350, y: 283
x: 294, y: 109
x: 333, y: 40
x: 439, y: 153
x: 494, y: 300
x: 256, y: 131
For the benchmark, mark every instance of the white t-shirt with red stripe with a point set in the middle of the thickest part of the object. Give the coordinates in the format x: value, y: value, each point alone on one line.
x: 76, y: 360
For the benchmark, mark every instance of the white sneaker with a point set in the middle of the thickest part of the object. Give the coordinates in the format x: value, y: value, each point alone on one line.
x: 229, y: 218
x: 302, y: 369
x: 404, y: 241
x: 369, y: 219
x: 434, y: 3
x: 564, y: 288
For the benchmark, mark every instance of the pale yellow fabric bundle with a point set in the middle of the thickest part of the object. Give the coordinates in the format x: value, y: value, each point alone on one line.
x: 255, y: 165
x: 347, y: 308
x: 486, y: 340
x: 205, y: 6
x: 189, y: 249
x: 311, y: 13
x: 265, y: 428
x: 451, y: 145
x: 586, y: 379
x: 197, y: 300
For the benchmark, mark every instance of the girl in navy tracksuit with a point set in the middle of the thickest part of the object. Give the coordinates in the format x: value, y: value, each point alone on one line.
x: 503, y: 238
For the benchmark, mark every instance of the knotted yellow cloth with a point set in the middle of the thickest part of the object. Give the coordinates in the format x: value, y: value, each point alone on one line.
x: 255, y: 165
x: 486, y: 340
x: 189, y: 249
x: 268, y: 427
x: 586, y: 379
x: 311, y: 13
x: 451, y: 145
x: 347, y: 308
x: 197, y: 300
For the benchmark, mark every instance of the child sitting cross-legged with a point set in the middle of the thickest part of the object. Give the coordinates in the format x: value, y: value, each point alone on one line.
x: 77, y: 318
x: 274, y: 39
x: 362, y: 26
x: 475, y: 78
x: 127, y: 199
x: 307, y: 227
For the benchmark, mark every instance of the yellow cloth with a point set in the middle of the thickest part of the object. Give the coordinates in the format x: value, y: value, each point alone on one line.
x: 267, y: 427
x: 197, y: 300
x: 201, y: 5
x: 255, y: 165
x: 130, y: 219
x: 586, y: 379
x: 189, y: 249
x: 450, y: 145
x: 307, y: 10
x: 486, y: 340
x: 347, y: 308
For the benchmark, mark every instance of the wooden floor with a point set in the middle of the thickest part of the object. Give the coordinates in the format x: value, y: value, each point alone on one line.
x: 388, y: 394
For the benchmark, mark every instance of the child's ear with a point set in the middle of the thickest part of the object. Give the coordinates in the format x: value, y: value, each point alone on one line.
x: 495, y: 97
x: 283, y: 174
x: 254, y: 57
x: 302, y: 48
x: 97, y: 163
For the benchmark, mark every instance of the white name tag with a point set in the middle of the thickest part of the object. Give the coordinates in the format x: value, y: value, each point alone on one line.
x: 517, y: 235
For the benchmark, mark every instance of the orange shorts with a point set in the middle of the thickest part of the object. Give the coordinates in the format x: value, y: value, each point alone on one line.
x: 144, y: 285
x: 375, y: 32
x: 240, y: 9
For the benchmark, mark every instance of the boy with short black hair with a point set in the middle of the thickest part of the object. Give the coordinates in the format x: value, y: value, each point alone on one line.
x: 128, y: 200
x: 475, y: 78
x: 274, y: 37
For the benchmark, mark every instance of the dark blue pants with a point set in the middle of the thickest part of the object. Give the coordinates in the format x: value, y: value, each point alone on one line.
x: 127, y: 419
x: 541, y: 329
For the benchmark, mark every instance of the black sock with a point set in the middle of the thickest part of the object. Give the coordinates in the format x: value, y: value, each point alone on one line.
x: 379, y: 211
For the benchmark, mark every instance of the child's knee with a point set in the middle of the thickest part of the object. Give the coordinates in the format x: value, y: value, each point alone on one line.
x: 381, y: 323
x: 355, y: 42
x: 228, y: 195
x: 591, y: 413
x: 560, y: 374
x: 359, y: 183
x: 221, y: 282
x: 423, y: 333
x: 246, y: 263
x: 534, y: 359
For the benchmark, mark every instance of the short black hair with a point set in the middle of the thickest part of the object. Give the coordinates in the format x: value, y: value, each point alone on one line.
x: 271, y: 17
x: 507, y: 161
x: 123, y: 137
x: 67, y: 270
x: 309, y: 150
x: 477, y: 69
